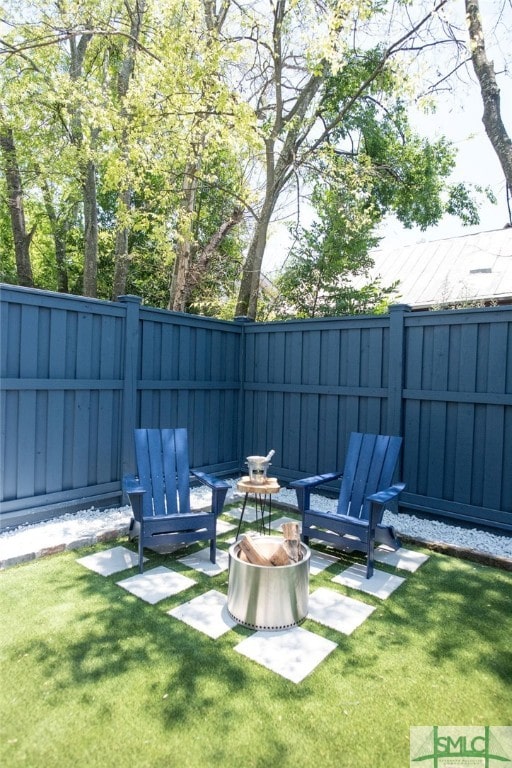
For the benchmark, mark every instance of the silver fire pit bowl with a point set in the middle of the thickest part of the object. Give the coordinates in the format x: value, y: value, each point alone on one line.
x: 267, y: 596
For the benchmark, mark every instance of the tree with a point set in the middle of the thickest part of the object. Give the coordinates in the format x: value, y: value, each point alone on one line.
x: 321, y: 274
x: 205, y: 167
x: 124, y: 194
x: 125, y: 107
x: 44, y: 94
x: 290, y: 93
x: 15, y: 204
x: 151, y: 137
x: 58, y: 227
x: 484, y: 70
x: 85, y: 145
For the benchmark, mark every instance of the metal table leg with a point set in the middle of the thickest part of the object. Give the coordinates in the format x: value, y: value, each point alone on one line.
x: 260, y: 501
x: 241, y: 516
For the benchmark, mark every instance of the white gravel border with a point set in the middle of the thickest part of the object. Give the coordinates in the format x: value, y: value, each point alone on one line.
x: 84, y: 528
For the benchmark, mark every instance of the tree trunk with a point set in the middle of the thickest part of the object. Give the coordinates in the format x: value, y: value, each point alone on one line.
x: 202, y: 259
x: 90, y: 231
x: 276, y: 174
x: 184, y: 251
x: 484, y: 71
x: 247, y: 303
x: 122, y: 258
x: 16, y: 210
x: 178, y: 291
x: 59, y: 237
x: 88, y: 170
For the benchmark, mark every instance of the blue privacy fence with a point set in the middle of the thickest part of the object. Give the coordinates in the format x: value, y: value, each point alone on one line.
x: 442, y: 380
x: 78, y: 375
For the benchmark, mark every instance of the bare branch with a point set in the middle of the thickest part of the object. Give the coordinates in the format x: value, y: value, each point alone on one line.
x: 10, y: 50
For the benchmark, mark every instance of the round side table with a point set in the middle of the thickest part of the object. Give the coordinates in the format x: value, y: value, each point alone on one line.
x: 260, y: 491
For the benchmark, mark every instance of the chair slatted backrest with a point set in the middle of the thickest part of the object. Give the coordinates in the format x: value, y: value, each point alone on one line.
x: 369, y: 467
x: 163, y: 469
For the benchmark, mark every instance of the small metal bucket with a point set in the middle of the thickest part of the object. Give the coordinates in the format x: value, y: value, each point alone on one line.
x: 268, y: 597
x: 258, y: 467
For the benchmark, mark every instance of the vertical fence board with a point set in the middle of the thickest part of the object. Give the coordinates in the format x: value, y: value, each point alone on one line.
x: 40, y: 442
x: 55, y: 441
x: 26, y: 444
x: 9, y: 435
x: 493, y: 456
x: 461, y: 458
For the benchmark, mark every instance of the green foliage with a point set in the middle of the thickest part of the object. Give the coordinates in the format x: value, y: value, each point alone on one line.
x: 177, y: 110
x: 320, y: 276
x: 462, y: 204
x: 375, y: 166
x: 404, y: 174
x: 186, y: 139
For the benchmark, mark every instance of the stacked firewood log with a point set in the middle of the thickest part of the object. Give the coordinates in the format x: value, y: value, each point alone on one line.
x: 285, y: 552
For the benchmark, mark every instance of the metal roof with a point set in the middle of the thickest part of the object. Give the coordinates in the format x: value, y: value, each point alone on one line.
x: 460, y: 269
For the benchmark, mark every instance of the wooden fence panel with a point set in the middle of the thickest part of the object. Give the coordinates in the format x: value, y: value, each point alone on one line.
x: 308, y: 384
x: 457, y: 414
x: 79, y: 375
x: 62, y: 382
x: 188, y: 376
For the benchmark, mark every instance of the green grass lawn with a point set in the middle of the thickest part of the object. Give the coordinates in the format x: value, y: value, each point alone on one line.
x: 93, y: 676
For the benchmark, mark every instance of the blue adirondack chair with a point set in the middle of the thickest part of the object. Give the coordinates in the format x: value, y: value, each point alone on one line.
x: 160, y: 493
x: 365, y: 492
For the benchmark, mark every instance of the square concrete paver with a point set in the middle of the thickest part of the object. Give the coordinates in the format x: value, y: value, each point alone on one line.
x: 156, y: 584
x: 336, y: 611
x: 207, y: 613
x: 381, y: 584
x: 406, y: 559
x: 291, y: 653
x: 320, y: 561
x: 249, y: 514
x: 110, y: 561
x: 223, y: 526
x: 200, y: 561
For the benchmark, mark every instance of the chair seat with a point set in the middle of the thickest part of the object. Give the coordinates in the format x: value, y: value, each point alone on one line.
x: 158, y: 524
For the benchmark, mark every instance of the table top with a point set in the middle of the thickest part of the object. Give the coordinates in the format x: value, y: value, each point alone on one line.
x: 270, y: 485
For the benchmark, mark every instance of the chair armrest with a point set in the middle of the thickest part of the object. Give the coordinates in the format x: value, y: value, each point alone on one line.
x: 210, y: 480
x: 219, y: 489
x: 382, y: 497
x: 303, y: 488
x: 311, y: 482
x: 379, y: 500
x: 131, y: 484
x: 135, y: 491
